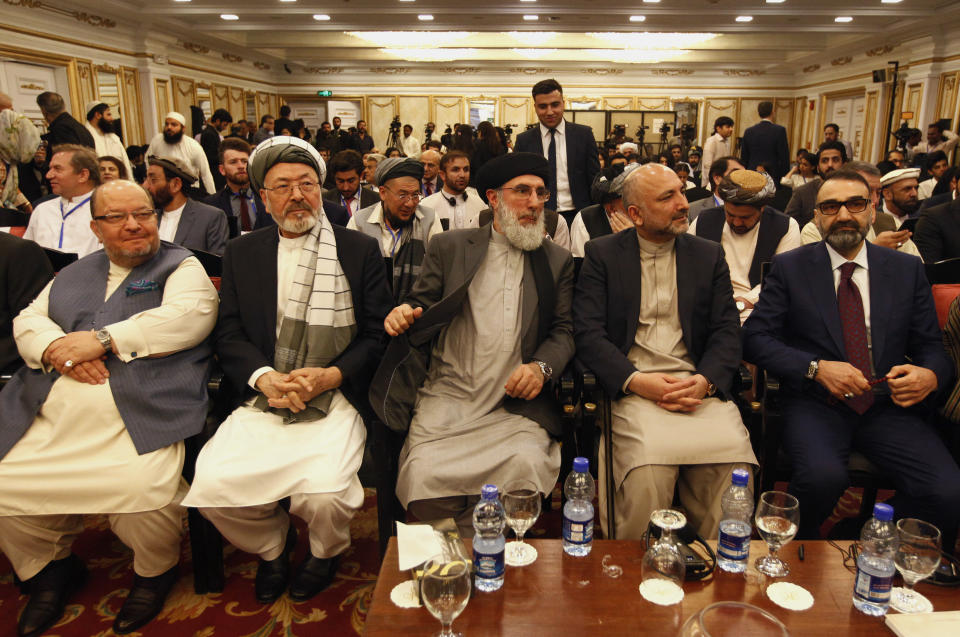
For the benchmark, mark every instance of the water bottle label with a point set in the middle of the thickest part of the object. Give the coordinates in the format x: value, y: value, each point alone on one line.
x: 873, y: 588
x: 733, y: 547
x: 577, y: 532
x: 489, y: 566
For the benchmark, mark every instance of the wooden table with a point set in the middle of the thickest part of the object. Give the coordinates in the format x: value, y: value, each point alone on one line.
x: 563, y: 595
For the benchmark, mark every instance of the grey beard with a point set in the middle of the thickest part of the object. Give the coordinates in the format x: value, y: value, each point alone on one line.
x: 845, y: 239
x: 525, y: 238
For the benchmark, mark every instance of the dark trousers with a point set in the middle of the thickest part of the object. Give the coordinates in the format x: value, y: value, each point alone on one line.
x: 819, y: 438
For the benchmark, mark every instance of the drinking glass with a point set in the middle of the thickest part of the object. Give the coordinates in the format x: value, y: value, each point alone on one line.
x: 777, y: 517
x: 445, y: 589
x: 917, y: 558
x: 521, y: 505
x: 733, y: 619
x: 662, y: 559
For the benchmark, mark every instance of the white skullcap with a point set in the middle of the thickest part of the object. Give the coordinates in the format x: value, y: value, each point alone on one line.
x: 92, y: 104
x: 176, y: 116
x: 629, y: 146
x: 900, y: 173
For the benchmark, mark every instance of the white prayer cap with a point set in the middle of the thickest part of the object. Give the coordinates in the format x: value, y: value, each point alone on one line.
x: 896, y: 175
x: 625, y: 146
x: 92, y: 104
x: 174, y: 115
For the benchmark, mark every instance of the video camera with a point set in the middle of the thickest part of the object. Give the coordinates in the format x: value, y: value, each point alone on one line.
x: 395, y: 124
x: 619, y: 130
x: 904, y: 133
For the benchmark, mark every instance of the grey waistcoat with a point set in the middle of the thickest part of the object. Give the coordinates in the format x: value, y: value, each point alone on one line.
x: 161, y: 400
x: 408, y: 257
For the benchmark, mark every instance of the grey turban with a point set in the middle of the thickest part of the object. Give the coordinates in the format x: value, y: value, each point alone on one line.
x: 283, y: 150
x: 747, y: 187
x: 394, y: 167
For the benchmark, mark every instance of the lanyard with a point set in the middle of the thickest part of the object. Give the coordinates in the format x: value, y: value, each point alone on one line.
x: 63, y: 219
x: 396, y: 239
x: 346, y: 202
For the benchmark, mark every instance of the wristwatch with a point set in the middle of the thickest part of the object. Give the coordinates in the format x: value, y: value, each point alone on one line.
x: 711, y: 389
x: 813, y: 369
x: 104, y: 337
x: 741, y: 306
x: 546, y: 369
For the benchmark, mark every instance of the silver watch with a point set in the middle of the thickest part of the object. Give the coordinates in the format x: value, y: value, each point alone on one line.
x: 813, y: 369
x: 104, y: 337
x: 546, y: 369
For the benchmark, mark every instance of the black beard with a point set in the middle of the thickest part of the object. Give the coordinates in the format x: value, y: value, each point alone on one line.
x: 162, y: 198
x: 907, y: 207
x: 105, y: 127
x: 396, y: 222
x: 172, y: 138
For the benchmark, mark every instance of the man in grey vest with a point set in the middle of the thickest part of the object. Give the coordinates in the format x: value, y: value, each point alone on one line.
x: 749, y: 230
x: 399, y: 223
x: 115, y: 378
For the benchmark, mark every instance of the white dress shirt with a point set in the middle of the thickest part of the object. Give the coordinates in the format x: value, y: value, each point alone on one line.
x: 411, y: 146
x: 190, y: 152
x: 564, y: 198
x: 714, y: 148
x: 64, y: 224
x: 464, y: 213
x: 169, y: 222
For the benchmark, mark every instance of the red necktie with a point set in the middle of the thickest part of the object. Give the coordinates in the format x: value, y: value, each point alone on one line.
x: 427, y: 188
x: 854, y: 332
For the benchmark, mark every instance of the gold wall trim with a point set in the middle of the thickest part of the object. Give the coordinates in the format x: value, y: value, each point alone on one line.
x: 65, y: 40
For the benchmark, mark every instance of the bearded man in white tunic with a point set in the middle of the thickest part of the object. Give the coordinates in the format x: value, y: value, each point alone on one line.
x: 300, y: 332
x: 117, y: 361
x: 485, y: 412
x: 655, y: 320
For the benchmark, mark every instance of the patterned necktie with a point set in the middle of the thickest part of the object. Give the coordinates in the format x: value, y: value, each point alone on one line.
x: 427, y: 189
x: 854, y: 332
x: 552, y: 158
x: 244, y: 212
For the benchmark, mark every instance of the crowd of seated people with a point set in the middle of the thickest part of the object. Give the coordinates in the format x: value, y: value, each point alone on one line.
x: 649, y: 271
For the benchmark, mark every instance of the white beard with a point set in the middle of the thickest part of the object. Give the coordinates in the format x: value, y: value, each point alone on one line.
x: 523, y: 237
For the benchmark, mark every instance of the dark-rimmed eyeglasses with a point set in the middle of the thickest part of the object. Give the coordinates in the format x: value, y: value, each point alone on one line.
x: 832, y: 207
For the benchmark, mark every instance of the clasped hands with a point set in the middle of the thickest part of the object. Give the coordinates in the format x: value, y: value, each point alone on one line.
x: 669, y: 392
x: 294, y: 390
x: 84, y: 353
x: 908, y: 384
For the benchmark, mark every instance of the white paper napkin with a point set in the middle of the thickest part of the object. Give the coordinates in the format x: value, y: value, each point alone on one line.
x: 416, y: 543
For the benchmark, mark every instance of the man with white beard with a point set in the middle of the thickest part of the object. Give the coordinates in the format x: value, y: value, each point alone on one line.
x: 485, y: 411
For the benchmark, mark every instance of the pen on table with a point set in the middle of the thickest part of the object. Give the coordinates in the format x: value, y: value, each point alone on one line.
x: 800, y: 552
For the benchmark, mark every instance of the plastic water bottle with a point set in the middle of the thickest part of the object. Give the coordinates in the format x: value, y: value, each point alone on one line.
x: 488, y: 522
x: 733, y: 544
x: 875, y: 566
x: 578, y: 511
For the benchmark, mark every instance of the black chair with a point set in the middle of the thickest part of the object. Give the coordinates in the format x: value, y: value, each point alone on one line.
x: 59, y: 259
x: 13, y: 217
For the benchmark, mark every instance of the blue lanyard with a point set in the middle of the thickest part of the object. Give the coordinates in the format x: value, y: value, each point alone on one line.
x: 346, y: 205
x: 63, y: 219
x: 396, y: 239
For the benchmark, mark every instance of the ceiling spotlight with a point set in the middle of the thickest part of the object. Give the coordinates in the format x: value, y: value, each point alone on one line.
x: 531, y: 17
x: 425, y: 17
x: 744, y: 18
x: 528, y: 0
x: 843, y: 18
x: 321, y: 17
x: 775, y: 1
x: 637, y: 18
x: 890, y: 1
x: 651, y: 1
x: 229, y: 16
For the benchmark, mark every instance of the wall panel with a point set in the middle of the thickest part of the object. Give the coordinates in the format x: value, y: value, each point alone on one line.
x: 380, y: 111
x: 912, y: 102
x: 132, y: 105
x: 184, y: 92
x: 517, y: 111
x: 446, y: 111
x: 871, y: 129
x: 415, y: 110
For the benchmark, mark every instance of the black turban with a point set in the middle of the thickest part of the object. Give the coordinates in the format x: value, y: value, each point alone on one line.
x: 502, y: 169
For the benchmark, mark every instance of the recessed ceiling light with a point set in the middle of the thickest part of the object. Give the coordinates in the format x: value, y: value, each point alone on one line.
x: 181, y: 0
x: 425, y: 17
x: 531, y: 17
x: 229, y: 16
x: 637, y: 18
x: 775, y: 1
x: 288, y: 0
x: 843, y: 18
x: 651, y: 1
x: 407, y: 0
x: 321, y: 17
x: 890, y: 1
x: 744, y: 18
x: 528, y: 0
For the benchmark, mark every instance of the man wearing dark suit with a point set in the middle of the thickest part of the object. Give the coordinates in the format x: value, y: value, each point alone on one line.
x: 309, y: 377
x: 347, y: 169
x: 62, y: 128
x: 242, y: 206
x: 24, y: 271
x: 719, y: 169
x: 570, y: 148
x: 830, y: 157
x: 833, y: 316
x: 938, y: 231
x: 765, y: 144
x: 210, y: 139
x: 183, y: 221
x: 655, y: 319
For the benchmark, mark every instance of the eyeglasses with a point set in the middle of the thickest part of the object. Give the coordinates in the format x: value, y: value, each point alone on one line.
x: 404, y: 197
x: 523, y: 191
x: 832, y: 207
x: 116, y: 219
x: 306, y: 187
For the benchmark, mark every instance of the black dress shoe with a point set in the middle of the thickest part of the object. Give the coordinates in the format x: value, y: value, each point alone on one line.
x: 50, y: 589
x: 272, y: 576
x: 313, y: 575
x: 144, y: 601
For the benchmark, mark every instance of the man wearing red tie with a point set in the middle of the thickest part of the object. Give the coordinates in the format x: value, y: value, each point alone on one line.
x: 431, y: 172
x: 346, y: 168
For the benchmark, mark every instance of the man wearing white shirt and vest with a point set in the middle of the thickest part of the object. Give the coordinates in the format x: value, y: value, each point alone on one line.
x: 399, y: 223
x: 64, y: 223
x: 88, y: 425
x: 173, y: 142
x: 457, y: 204
x: 347, y: 169
x: 100, y: 125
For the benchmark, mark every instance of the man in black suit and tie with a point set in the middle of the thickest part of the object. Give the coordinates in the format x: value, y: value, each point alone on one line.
x: 851, y: 331
x: 570, y: 148
x: 241, y: 205
x: 765, y: 144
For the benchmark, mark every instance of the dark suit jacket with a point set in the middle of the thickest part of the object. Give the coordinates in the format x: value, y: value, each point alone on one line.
x: 797, y: 319
x: 201, y: 227
x: 221, y: 200
x: 766, y: 143
x: 246, y: 332
x: 24, y: 270
x: 368, y: 197
x: 801, y: 204
x: 210, y: 141
x: 606, y: 308
x: 66, y: 130
x: 582, y: 161
x: 929, y: 202
x: 938, y: 232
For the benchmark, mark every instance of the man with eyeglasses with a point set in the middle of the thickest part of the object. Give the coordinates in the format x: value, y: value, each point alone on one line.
x: 399, y: 223
x: 299, y: 336
x: 851, y: 331
x: 117, y: 360
x: 485, y: 411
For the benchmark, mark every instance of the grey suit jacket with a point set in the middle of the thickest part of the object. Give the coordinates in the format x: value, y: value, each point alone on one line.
x: 699, y: 206
x: 452, y: 260
x: 202, y: 227
x: 802, y: 202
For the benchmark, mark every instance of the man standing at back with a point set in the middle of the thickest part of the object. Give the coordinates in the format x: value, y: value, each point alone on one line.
x: 569, y: 148
x: 62, y: 128
x: 106, y: 142
x: 765, y: 143
x: 717, y: 145
x: 210, y: 139
x: 174, y: 142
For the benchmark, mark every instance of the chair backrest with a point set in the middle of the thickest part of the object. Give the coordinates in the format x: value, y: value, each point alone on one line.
x: 59, y: 260
x: 944, y: 278
x: 212, y: 263
x: 951, y: 340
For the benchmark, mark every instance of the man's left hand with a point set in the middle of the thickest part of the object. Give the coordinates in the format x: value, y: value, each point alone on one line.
x: 910, y: 384
x: 525, y: 382
x: 312, y: 382
x: 76, y: 347
x: 688, y: 398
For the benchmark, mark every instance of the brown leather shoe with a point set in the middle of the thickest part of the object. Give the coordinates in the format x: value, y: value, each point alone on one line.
x: 144, y: 601
x: 50, y: 590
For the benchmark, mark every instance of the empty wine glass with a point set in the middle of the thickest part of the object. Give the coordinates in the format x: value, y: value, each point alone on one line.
x: 521, y: 505
x: 778, y: 515
x: 917, y: 558
x: 662, y: 560
x: 445, y: 589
